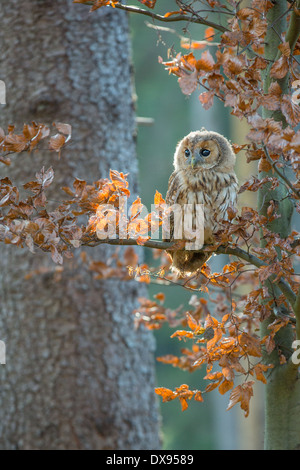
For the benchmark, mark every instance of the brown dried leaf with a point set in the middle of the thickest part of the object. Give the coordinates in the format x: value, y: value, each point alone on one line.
x: 290, y: 110
x: 280, y: 68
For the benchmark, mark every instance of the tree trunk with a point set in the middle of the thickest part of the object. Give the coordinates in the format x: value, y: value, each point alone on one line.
x: 282, y: 398
x: 77, y: 374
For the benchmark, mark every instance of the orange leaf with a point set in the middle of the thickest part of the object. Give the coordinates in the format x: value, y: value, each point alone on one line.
x: 225, y: 386
x: 198, y: 396
x: 193, y: 44
x: 118, y: 179
x: 191, y: 322
x: 142, y: 241
x: 241, y: 394
x: 160, y: 296
x: 250, y: 344
x: 158, y: 199
x: 171, y: 13
x: 184, y: 403
x: 165, y: 393
x: 148, y: 3
x: 259, y: 369
x: 206, y: 63
x: 182, y: 334
x: 209, y: 33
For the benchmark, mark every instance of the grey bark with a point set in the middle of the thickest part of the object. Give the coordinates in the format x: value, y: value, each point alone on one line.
x: 282, y: 423
x: 77, y: 374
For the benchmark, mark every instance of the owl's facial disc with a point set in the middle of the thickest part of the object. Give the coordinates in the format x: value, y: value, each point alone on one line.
x: 204, y: 154
x: 198, y: 156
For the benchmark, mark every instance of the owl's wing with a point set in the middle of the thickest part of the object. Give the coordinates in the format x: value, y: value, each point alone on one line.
x: 228, y: 197
x: 172, y: 193
x: 171, y: 199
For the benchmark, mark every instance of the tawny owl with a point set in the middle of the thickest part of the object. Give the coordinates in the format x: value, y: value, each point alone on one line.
x: 203, y: 177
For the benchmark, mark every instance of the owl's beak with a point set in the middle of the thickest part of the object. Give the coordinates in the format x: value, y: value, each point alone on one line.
x: 195, y: 160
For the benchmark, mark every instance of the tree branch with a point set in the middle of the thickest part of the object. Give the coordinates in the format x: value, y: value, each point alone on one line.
x: 293, y: 31
x: 222, y: 249
x: 166, y: 19
x: 281, y: 175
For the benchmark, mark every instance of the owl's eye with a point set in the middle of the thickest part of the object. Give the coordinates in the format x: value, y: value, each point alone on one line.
x: 187, y: 153
x: 204, y: 152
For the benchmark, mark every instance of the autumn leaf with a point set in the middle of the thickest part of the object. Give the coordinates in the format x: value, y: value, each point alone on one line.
x: 148, y: 3
x: 45, y: 178
x: 209, y: 33
x: 264, y: 165
x: 233, y: 66
x: 182, y: 334
x: 280, y: 68
x: 206, y: 99
x: 242, y: 394
x: 172, y: 13
x: 158, y: 199
x: 206, y: 63
x: 63, y: 128
x: 290, y: 110
x: 225, y: 386
x: 165, y: 393
x: 118, y: 179
x: 195, y: 45
x: 56, y: 256
x: 250, y: 344
x: 15, y: 143
x: 63, y: 137
x: 259, y: 370
x: 188, y: 82
x: 198, y: 396
x: 57, y: 142
x: 160, y: 296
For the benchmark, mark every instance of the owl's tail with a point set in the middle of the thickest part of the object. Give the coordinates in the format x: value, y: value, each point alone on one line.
x: 187, y: 262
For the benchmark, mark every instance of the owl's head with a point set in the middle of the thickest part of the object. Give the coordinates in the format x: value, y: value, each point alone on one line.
x: 204, y: 150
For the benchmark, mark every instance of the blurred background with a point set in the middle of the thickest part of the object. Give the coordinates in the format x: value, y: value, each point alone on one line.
x: 171, y: 116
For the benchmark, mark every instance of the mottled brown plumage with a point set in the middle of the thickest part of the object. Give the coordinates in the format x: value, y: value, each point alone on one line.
x: 204, y: 174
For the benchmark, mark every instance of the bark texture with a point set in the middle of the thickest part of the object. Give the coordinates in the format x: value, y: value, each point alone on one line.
x: 77, y: 374
x: 282, y: 397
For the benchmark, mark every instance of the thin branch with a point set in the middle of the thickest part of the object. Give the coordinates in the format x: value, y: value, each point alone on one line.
x: 281, y: 175
x: 166, y: 19
x: 159, y: 245
x: 166, y: 29
x: 228, y: 250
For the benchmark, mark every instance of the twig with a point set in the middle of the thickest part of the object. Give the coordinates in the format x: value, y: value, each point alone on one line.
x: 281, y: 175
x: 229, y: 250
x: 166, y: 19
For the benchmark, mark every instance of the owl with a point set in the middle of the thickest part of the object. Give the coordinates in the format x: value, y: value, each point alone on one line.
x: 204, y: 185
